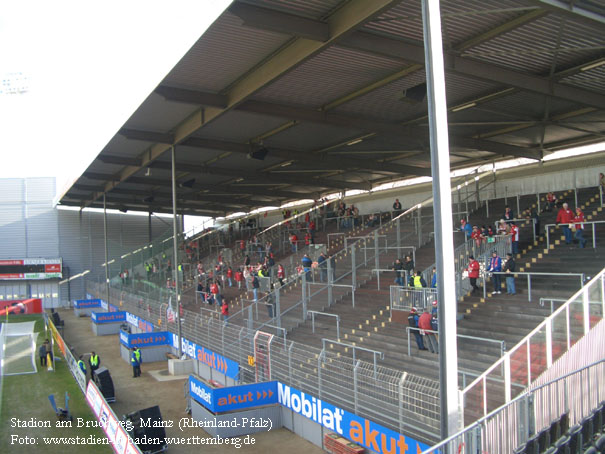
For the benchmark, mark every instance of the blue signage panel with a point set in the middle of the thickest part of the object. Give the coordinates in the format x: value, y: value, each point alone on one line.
x: 212, y: 359
x: 143, y: 340
x: 143, y: 325
x: 108, y: 317
x: 245, y: 396
x: 355, y: 428
x: 201, y: 393
x: 84, y: 304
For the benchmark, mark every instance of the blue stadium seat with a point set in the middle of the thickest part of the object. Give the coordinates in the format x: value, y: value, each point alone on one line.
x: 562, y: 444
x: 521, y: 449
x: 588, y: 428
x: 552, y: 450
x: 575, y: 439
x: 591, y: 450
x: 600, y: 444
x: 543, y: 439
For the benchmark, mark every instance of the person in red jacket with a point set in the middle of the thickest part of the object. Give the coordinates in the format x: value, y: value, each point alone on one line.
x: 294, y: 241
x: 565, y: 217
x: 229, y: 276
x: 281, y: 274
x: 579, y: 219
x: 473, y: 272
x: 225, y: 311
x: 424, y: 323
x: 239, y: 277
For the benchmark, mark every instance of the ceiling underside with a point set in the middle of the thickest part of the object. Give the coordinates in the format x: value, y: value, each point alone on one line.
x: 331, y: 93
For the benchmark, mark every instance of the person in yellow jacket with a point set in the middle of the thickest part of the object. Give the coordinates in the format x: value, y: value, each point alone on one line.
x: 94, y: 361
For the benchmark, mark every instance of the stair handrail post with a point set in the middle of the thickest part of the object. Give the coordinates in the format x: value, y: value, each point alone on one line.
x: 533, y: 223
x: 290, y: 361
x: 594, y: 236
x: 529, y: 287
x: 376, y: 258
x: 407, y: 328
x: 477, y: 197
x: 304, y: 289
x: 355, y: 386
x: 419, y: 226
x: 398, y: 231
x: 538, y: 202
x: 575, y: 190
x: 277, y: 307
x: 312, y: 321
x: 548, y: 237
x: 330, y: 281
x: 353, y: 267
x: 338, y: 327
x: 400, y: 389
x: 586, y: 310
x: 519, y: 204
x: 487, y: 208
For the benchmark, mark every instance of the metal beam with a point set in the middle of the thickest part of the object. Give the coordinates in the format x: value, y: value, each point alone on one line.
x: 571, y: 11
x: 147, y: 136
x: 305, y: 156
x: 352, y: 15
x: 413, y: 53
x: 410, y: 135
x: 278, y: 21
x: 185, y: 96
x: 147, y: 208
x: 119, y: 160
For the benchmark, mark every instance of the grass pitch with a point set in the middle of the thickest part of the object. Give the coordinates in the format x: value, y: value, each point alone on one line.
x: 25, y: 400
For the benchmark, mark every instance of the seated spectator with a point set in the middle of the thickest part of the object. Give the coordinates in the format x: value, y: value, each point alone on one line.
x: 503, y: 228
x: 551, y: 202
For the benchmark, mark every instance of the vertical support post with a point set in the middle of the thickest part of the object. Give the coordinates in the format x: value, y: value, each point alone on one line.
x: 304, y: 296
x: 149, y: 229
x: 477, y: 197
x: 538, y: 202
x: 518, y: 206
x: 507, y: 379
x: 420, y: 227
x: 290, y: 361
x: 529, y: 287
x: 398, y: 230
x: 106, y: 251
x: 353, y: 267
x: 277, y: 314
x: 487, y: 207
x: 440, y: 166
x: 575, y: 191
x: 355, y: 400
x: 319, y: 360
x: 338, y: 328
x: 175, y: 246
x: 250, y: 318
x: 376, y: 258
x: 409, y: 345
x: 548, y: 342
x: 586, y: 309
x: 330, y: 280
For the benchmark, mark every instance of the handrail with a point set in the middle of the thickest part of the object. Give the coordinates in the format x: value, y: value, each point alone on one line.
x: 355, y: 348
x: 459, y: 436
x: 529, y: 274
x: 552, y: 301
x: 313, y: 313
x: 593, y: 223
x: 502, y: 343
x: 545, y: 326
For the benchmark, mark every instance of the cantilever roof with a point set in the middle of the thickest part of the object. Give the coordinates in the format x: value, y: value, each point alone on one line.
x: 319, y: 85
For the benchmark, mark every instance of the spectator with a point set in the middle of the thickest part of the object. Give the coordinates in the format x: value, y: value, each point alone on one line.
x: 225, y: 312
x: 434, y: 278
x: 247, y: 278
x: 413, y: 322
x: 322, y: 264
x: 466, y: 228
x: 509, y: 269
x: 477, y: 236
x: 307, y: 263
x: 532, y: 213
x: 398, y: 267
x: 508, y: 215
x: 551, y: 201
x: 281, y: 274
x: 424, y: 323
x: 565, y: 217
x: 418, y: 280
x: 373, y: 221
x: 312, y: 231
x: 229, y: 276
x: 271, y: 303
x: 503, y: 228
x: 495, y: 267
x: 239, y: 277
x: 42, y: 354
x: 307, y: 239
x: 579, y: 219
x: 294, y: 241
x: 435, y: 327
x: 247, y: 260
x: 408, y: 267
x: 434, y: 309
x: 514, y: 231
x: 397, y: 208
x: 255, y: 286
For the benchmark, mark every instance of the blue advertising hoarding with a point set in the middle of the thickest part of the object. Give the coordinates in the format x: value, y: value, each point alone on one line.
x: 212, y: 359
x: 231, y: 398
x: 143, y: 340
x: 85, y: 304
x: 355, y: 428
x: 138, y: 322
x: 108, y: 317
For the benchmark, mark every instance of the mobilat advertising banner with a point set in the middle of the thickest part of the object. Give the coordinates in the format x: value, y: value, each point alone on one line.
x: 355, y: 428
x: 111, y: 425
x: 218, y: 362
x: 230, y: 398
x: 108, y: 317
x: 143, y: 325
x: 85, y: 304
x: 146, y: 339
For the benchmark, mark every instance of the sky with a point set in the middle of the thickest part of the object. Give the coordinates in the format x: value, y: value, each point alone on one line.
x: 89, y: 65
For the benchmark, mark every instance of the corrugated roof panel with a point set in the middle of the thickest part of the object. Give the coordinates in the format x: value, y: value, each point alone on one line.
x: 311, y: 9
x: 593, y: 79
x: 386, y: 102
x: 239, y: 126
x: 311, y: 136
x: 532, y: 47
x: 157, y: 114
x: 224, y: 53
x: 523, y: 105
x: 404, y: 20
x: 125, y: 147
x: 327, y: 76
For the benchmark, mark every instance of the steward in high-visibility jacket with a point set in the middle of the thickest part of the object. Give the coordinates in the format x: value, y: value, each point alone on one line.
x: 94, y: 362
x: 135, y: 361
x: 418, y: 280
x: 82, y: 365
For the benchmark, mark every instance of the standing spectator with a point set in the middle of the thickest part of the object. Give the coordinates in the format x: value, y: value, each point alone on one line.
x: 466, y: 228
x: 532, y: 214
x: 398, y: 267
x: 551, y: 201
x: 434, y: 310
x: 225, y: 312
x: 42, y: 354
x: 396, y: 208
x: 508, y: 215
x: 281, y: 274
x: 565, y: 217
x: 579, y: 219
x: 477, y: 236
x: 229, y: 276
x: 435, y: 327
x: 294, y: 241
x: 424, y: 323
x: 312, y: 228
x: 307, y: 239
x: 602, y: 183
x: 239, y: 277
x: 413, y: 322
x: 514, y: 231
x: 509, y: 269
x: 255, y: 286
x: 434, y: 279
x: 495, y: 267
x: 408, y: 267
x: 307, y: 263
x: 418, y: 280
x: 322, y: 264
x: 247, y: 278
x: 247, y: 260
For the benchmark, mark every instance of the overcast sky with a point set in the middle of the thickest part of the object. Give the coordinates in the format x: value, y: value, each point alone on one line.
x: 89, y: 66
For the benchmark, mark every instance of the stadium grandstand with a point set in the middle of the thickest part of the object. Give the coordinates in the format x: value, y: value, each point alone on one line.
x: 315, y: 135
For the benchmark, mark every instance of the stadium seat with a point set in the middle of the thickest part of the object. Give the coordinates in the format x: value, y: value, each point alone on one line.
x: 599, y: 422
x: 575, y: 439
x: 543, y: 439
x: 591, y: 450
x: 588, y: 428
x: 600, y: 444
x: 521, y: 449
x: 552, y: 450
x: 562, y: 444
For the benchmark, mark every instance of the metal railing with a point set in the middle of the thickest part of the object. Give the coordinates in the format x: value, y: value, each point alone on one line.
x: 591, y: 223
x: 404, y: 298
x: 536, y: 352
x: 580, y: 276
x: 552, y: 302
x: 325, y: 314
x: 500, y: 343
x: 514, y: 423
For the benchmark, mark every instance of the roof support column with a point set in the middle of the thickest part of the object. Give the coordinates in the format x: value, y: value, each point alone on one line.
x: 444, y: 244
x: 106, y: 250
x: 175, y: 246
